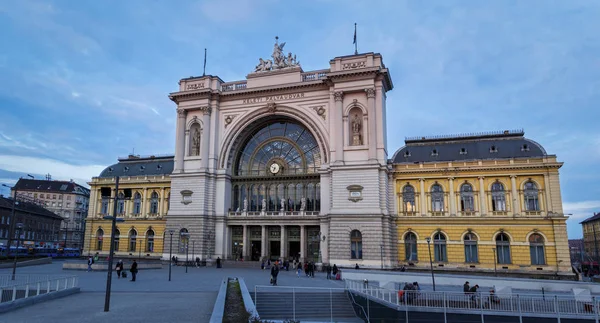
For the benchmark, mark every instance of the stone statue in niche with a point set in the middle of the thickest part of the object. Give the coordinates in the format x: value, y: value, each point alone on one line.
x: 282, y: 205
x: 264, y: 205
x: 245, y: 205
x: 303, y: 204
x: 196, y: 143
x: 356, y: 127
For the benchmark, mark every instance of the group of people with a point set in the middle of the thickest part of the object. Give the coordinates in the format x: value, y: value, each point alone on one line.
x: 472, y: 293
x: 308, y: 267
x: 410, y: 291
x: 133, y: 269
x: 337, y: 273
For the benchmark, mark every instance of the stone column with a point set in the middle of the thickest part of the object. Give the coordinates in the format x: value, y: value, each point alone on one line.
x: 482, y: 197
x: 180, y: 138
x: 516, y: 199
x: 144, y: 206
x: 161, y: 202
x: 372, y: 137
x: 205, y: 139
x: 423, y: 198
x: 245, y: 243
x: 263, y: 243
x: 302, y: 243
x: 283, y: 243
x: 339, y: 132
x: 547, y: 195
x: 452, y: 197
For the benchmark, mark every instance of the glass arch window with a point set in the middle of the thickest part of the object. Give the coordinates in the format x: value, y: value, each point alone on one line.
x: 498, y: 197
x: 150, y: 240
x: 183, y: 240
x: 471, y: 248
x: 439, y: 247
x: 437, y: 198
x: 531, y: 197
x: 408, y: 197
x: 99, y: 239
x: 355, y: 244
x: 286, y: 143
x: 121, y: 203
x: 503, y: 249
x: 410, y: 247
x: 154, y: 203
x: 137, y: 203
x: 536, y: 249
x: 132, y: 240
x: 117, y: 238
x: 466, y: 198
x: 104, y: 207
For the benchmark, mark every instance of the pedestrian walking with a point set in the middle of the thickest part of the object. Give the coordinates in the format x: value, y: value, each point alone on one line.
x: 274, y: 273
x: 328, y: 271
x: 473, y: 292
x: 197, y: 262
x: 133, y: 270
x: 298, y: 270
x: 466, y: 288
x: 119, y: 268
x: 90, y: 262
x: 334, y: 270
x: 218, y: 262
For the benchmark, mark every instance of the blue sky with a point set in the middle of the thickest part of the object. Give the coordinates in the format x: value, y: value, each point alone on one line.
x: 83, y: 82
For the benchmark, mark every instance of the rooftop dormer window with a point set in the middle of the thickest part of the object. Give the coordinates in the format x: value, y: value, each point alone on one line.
x: 407, y: 154
x: 493, y: 149
x: 110, y: 169
x: 434, y: 152
x: 125, y: 169
x: 525, y: 147
x: 159, y: 167
x: 142, y: 168
x: 463, y: 151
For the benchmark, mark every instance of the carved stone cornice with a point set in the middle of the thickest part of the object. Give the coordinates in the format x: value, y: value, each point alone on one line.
x: 370, y: 93
x: 206, y: 110
x: 339, y: 96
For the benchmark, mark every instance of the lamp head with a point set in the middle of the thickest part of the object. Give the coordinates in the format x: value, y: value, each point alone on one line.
x: 428, y: 239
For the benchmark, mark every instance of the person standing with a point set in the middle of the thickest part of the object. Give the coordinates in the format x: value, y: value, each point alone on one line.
x: 466, y: 288
x: 90, y: 262
x: 473, y: 292
x: 218, y: 262
x: 274, y: 273
x: 328, y: 271
x: 119, y: 268
x: 133, y: 270
x: 334, y: 270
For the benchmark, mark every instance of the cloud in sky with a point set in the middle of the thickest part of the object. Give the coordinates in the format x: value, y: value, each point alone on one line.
x: 85, y: 82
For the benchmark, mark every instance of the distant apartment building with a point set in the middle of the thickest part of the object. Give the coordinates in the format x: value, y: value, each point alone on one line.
x: 576, y: 251
x: 591, y: 232
x: 64, y: 198
x: 38, y: 226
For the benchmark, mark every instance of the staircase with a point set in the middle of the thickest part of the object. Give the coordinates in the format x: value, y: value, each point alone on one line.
x: 241, y: 264
x: 318, y: 305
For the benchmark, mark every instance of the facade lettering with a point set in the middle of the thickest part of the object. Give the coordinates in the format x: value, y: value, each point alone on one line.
x: 273, y: 98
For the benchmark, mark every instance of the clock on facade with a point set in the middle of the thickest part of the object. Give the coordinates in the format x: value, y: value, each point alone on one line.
x: 274, y: 168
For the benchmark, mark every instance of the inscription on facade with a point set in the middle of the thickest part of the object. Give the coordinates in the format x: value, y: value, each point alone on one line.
x: 273, y: 98
x: 349, y: 66
x: 195, y: 86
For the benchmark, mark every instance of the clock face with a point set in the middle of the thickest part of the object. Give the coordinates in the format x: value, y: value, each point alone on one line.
x: 274, y: 168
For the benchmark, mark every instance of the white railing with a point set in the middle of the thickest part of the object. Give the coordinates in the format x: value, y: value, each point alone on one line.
x: 227, y: 87
x: 26, y: 286
x: 314, y: 76
x: 514, y: 305
x: 273, y: 213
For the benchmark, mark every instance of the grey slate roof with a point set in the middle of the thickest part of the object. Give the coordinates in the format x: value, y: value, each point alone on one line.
x: 137, y: 166
x: 27, y: 207
x: 62, y: 187
x: 492, y: 145
x: 595, y: 217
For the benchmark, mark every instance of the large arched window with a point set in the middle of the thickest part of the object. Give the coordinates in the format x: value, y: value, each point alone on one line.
x: 117, y: 239
x: 471, y: 248
x: 355, y: 244
x: 410, y: 247
x: 466, y: 198
x: 531, y: 197
x: 121, y: 203
x: 536, y: 249
x: 132, y: 240
x: 184, y: 238
x: 99, y: 239
x: 154, y: 203
x: 137, y: 203
x: 437, y: 198
x: 503, y: 249
x: 150, y: 240
x: 408, y: 196
x: 104, y: 207
x: 498, y: 197
x: 439, y: 247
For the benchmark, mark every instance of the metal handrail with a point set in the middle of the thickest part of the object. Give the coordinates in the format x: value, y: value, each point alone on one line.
x: 361, y: 307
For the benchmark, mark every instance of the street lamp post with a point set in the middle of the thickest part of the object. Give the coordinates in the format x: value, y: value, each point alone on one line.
x: 170, y: 253
x: 112, y: 245
x: 19, y: 227
x: 430, y: 262
x: 495, y: 261
x: 193, y: 249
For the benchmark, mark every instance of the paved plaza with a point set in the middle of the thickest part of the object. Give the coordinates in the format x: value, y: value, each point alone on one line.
x: 152, y: 298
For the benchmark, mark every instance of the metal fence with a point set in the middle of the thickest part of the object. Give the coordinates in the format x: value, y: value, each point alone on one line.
x: 25, y: 286
x: 529, y: 305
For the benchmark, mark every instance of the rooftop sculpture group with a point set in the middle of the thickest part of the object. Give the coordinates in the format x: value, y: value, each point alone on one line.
x: 280, y: 61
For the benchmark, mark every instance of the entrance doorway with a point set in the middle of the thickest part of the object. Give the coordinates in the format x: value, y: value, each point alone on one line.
x: 275, y: 249
x: 255, y: 253
x: 294, y: 249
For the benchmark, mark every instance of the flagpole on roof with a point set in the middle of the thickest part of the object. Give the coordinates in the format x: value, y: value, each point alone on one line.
x: 355, y: 42
x: 204, y: 70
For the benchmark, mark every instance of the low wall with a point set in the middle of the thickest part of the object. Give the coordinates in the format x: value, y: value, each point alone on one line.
x: 32, y: 262
x: 103, y: 266
x: 458, y: 280
x: 219, y: 308
x: 9, y: 306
